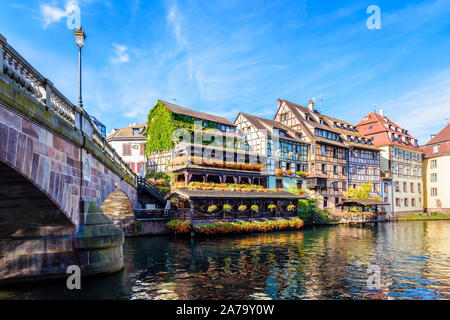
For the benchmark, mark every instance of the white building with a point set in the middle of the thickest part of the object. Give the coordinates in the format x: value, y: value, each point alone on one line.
x: 129, y: 143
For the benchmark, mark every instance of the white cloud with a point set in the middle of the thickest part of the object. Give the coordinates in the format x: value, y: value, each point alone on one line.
x: 423, y: 110
x: 51, y: 14
x: 122, y: 55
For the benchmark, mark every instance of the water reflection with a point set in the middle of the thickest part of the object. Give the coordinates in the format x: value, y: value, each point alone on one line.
x: 332, y: 263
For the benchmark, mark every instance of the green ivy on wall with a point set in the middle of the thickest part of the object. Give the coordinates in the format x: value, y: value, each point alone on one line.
x: 161, y: 123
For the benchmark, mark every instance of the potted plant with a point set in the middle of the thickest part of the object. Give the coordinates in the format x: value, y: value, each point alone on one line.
x: 254, y: 208
x: 242, y: 207
x: 291, y: 207
x: 227, y: 207
x: 279, y: 172
x: 212, y: 208
x: 289, y: 172
x: 272, y: 207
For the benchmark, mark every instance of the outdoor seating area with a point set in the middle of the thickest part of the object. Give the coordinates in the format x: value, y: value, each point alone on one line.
x: 214, y: 204
x: 369, y: 210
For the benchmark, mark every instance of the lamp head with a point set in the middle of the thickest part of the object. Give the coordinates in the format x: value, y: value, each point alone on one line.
x: 80, y: 36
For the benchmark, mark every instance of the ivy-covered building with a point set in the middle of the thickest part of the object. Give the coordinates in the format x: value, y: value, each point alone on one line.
x: 199, y: 147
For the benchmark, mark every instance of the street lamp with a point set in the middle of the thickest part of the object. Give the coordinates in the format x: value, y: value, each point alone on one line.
x: 80, y: 36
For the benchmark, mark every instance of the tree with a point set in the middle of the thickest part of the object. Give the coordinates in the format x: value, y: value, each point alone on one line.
x: 363, y: 192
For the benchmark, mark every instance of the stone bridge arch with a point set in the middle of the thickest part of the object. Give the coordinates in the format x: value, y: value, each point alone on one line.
x: 118, y: 207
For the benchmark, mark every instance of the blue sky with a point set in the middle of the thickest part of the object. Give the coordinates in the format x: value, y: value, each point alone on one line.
x: 228, y: 56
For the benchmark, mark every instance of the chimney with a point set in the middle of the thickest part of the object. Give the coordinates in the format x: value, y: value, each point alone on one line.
x: 382, y: 112
x: 311, y: 105
x: 432, y: 136
x: 279, y: 102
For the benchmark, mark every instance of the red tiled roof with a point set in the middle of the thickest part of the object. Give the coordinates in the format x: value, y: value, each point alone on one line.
x: 380, y: 128
x: 441, y: 141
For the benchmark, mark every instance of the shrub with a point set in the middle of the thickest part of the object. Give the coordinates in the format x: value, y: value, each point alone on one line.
x: 271, y: 207
x: 289, y: 172
x: 254, y: 207
x: 227, y: 207
x: 311, y: 214
x: 179, y: 226
x: 279, y: 172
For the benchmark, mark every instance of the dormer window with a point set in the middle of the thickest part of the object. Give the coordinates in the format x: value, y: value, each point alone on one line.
x: 349, y: 138
x: 307, y: 117
x: 321, y: 121
x: 136, y: 131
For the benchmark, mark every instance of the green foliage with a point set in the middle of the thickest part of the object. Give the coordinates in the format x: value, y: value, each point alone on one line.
x: 160, y: 127
x: 158, y: 175
x: 363, y: 192
x: 311, y: 214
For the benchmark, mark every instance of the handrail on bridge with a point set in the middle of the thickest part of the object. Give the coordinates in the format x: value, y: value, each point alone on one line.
x: 14, y: 66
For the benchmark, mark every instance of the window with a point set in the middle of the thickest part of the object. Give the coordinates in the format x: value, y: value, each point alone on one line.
x: 336, y: 186
x: 436, y: 149
x: 135, y: 131
x: 126, y: 149
x: 344, y: 170
x: 413, y: 202
x: 344, y: 186
x: 419, y: 188
x: 433, y: 164
x: 434, y: 191
x: 142, y: 147
x: 279, y: 183
x: 300, y: 184
x: 324, y: 168
x: 412, y: 187
x: 335, y: 153
x: 386, y: 187
x: 397, y: 187
x: 335, y: 169
x: 405, y: 189
x: 397, y: 202
x: 433, y: 177
x: 323, y: 150
x: 325, y: 202
x: 406, y: 202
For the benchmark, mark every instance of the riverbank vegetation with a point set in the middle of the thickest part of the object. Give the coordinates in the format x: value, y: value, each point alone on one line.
x: 309, y: 212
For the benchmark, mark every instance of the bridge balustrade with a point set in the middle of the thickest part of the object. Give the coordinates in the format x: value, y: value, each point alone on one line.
x: 23, y: 74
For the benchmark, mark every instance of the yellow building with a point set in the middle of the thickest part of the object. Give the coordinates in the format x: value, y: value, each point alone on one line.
x: 436, y: 172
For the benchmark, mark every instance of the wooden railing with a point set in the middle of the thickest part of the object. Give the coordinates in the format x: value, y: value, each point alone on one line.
x: 40, y: 89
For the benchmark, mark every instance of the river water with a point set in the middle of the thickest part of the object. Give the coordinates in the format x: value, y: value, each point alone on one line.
x: 412, y: 259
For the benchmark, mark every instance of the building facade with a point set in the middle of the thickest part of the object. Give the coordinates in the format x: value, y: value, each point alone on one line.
x: 436, y: 172
x: 286, y: 155
x: 340, y: 156
x: 201, y: 147
x: 401, y: 159
x: 129, y: 143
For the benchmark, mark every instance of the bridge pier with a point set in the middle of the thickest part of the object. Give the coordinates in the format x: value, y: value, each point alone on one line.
x: 96, y: 247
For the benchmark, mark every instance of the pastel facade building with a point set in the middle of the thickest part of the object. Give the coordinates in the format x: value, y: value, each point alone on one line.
x: 286, y: 155
x: 436, y: 172
x: 129, y: 143
x: 401, y: 159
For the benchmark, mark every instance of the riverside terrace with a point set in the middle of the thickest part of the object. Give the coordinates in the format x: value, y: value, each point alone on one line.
x: 199, y: 201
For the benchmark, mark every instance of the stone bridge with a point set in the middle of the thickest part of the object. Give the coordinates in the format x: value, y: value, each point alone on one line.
x: 56, y: 171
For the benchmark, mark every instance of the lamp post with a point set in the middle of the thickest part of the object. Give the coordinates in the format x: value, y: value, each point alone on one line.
x: 80, y: 36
